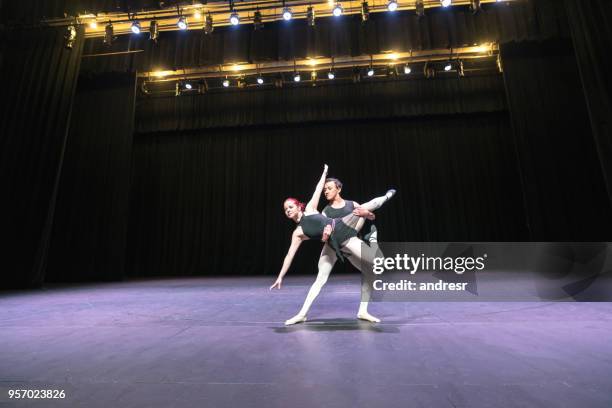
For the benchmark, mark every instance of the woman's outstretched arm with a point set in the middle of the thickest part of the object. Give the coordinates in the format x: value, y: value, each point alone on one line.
x: 314, y: 201
x: 296, y: 240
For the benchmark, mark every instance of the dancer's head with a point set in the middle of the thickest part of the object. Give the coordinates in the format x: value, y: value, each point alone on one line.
x: 293, y: 208
x: 332, y: 188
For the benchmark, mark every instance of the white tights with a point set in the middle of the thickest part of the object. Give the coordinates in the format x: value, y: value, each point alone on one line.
x: 328, y: 258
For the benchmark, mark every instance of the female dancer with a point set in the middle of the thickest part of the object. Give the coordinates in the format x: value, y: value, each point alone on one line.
x: 313, y: 225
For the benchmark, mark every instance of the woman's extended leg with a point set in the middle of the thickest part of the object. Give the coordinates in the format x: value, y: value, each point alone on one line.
x: 352, y: 220
x: 376, y: 203
x: 326, y: 263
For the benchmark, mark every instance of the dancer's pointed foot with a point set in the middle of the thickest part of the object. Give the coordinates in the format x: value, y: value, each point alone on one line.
x: 371, y: 236
x: 368, y: 317
x: 295, y: 319
x: 390, y: 193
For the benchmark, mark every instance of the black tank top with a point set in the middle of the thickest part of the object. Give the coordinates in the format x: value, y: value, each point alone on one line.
x: 313, y: 225
x: 332, y: 212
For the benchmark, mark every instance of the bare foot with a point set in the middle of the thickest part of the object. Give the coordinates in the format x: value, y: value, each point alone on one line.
x: 368, y: 317
x: 295, y: 319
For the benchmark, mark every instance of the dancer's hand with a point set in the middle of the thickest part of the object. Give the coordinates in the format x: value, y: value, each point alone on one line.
x: 362, y: 212
x: 277, y: 284
x: 326, y: 233
x: 325, y: 167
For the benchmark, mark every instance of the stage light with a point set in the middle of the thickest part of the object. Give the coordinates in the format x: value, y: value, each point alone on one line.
x: 226, y: 83
x: 313, y: 76
x: 257, y: 20
x: 109, y: 34
x: 419, y: 7
x: 475, y: 6
x: 448, y: 67
x: 310, y: 16
x: 182, y: 23
x: 158, y: 73
x: 337, y: 11
x: 371, y: 72
x: 93, y: 24
x: 70, y: 37
x: 135, y: 27
x: 260, y: 80
x: 460, y: 70
x: 331, y: 75
x: 297, y: 77
x: 234, y: 18
x: 154, y: 30
x: 183, y: 86
x: 365, y: 12
x: 446, y: 3
x: 208, y: 24
x: 287, y: 14
x: 392, y: 5
x: 407, y: 69
x: 197, y: 15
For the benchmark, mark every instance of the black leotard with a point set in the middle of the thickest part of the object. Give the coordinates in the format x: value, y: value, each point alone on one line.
x: 313, y: 225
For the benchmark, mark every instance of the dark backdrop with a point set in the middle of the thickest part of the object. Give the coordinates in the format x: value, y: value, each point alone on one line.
x: 591, y: 27
x: 210, y: 202
x: 564, y: 189
x: 89, y: 236
x: 210, y: 172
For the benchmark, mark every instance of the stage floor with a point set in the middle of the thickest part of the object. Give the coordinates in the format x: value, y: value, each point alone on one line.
x: 221, y: 342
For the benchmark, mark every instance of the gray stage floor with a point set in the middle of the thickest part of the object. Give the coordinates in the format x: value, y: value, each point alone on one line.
x: 221, y: 343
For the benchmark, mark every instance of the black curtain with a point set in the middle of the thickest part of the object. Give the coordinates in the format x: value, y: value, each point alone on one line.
x: 591, y: 27
x: 563, y: 186
x: 210, y: 201
x: 90, y: 230
x: 38, y: 81
x: 376, y: 100
x: 402, y: 31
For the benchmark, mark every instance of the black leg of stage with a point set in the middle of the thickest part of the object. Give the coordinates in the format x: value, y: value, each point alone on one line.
x: 220, y: 342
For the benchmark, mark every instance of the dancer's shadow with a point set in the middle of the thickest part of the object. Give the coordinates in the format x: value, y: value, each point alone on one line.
x: 322, y: 325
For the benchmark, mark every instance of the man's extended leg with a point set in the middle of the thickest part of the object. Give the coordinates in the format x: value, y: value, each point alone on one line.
x: 362, y: 256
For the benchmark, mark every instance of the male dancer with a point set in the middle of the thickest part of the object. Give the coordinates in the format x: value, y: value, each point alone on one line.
x: 338, y: 207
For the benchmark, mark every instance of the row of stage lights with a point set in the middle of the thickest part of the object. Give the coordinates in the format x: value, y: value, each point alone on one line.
x: 234, y: 19
x: 429, y: 71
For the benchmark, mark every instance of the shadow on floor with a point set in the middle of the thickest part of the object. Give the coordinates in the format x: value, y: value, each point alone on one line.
x: 323, y: 325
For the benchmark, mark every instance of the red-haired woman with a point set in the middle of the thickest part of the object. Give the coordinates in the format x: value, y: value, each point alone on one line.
x: 314, y: 225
